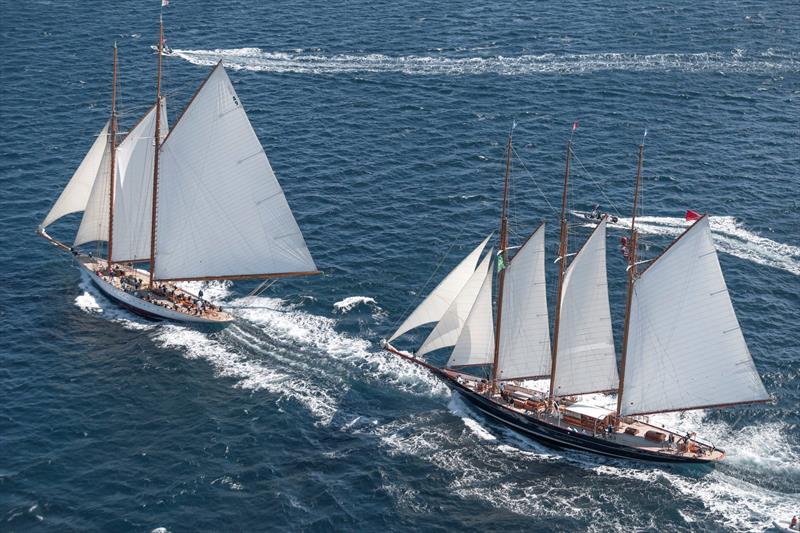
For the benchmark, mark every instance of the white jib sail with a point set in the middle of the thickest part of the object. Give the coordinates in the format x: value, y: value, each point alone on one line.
x: 220, y: 210
x: 134, y: 189
x: 449, y: 327
x: 524, y: 328
x: 475, y: 345
x: 76, y: 194
x: 685, y: 347
x: 434, y: 306
x: 94, y: 224
x: 586, y: 361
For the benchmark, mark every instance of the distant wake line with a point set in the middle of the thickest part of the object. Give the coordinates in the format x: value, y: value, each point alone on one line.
x: 730, y: 237
x: 318, y: 63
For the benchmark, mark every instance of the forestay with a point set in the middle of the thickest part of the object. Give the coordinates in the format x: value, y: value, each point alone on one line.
x: 94, y: 224
x: 449, y: 327
x: 134, y: 188
x: 220, y: 210
x: 586, y: 361
x: 685, y: 347
x: 524, y: 328
x: 475, y: 345
x: 437, y: 302
x: 75, y: 195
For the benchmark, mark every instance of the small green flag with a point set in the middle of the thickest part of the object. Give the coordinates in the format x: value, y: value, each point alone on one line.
x: 500, y: 263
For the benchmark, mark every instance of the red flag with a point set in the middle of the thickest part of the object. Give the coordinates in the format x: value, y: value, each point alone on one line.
x: 575, y: 125
x: 691, y: 216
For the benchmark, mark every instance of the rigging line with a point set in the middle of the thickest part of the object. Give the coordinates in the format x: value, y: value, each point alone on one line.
x: 414, y: 300
x: 522, y: 162
x: 596, y: 184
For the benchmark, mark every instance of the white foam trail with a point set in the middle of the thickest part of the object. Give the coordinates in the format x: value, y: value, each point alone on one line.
x: 294, y: 326
x: 351, y: 302
x: 249, y: 374
x: 730, y: 237
x: 319, y: 63
x: 93, y: 301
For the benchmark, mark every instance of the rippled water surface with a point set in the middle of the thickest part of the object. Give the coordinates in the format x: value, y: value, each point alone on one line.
x: 385, y: 123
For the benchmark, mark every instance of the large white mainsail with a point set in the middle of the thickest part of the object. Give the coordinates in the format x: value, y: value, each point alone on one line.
x: 475, y: 345
x: 524, y: 328
x: 447, y: 330
x: 134, y: 188
x: 436, y: 303
x: 94, y: 224
x: 586, y: 361
x: 221, y: 212
x: 76, y: 194
x: 685, y: 347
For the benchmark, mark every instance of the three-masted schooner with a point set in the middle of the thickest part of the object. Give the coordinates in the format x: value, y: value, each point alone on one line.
x: 682, y: 349
x: 198, y: 201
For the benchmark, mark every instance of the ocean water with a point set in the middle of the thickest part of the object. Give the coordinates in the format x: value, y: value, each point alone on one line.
x: 385, y: 122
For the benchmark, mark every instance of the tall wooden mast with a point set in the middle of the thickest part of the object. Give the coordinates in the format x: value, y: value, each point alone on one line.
x: 562, y: 267
x: 632, y: 248
x: 113, y: 140
x: 504, y: 261
x: 157, y: 142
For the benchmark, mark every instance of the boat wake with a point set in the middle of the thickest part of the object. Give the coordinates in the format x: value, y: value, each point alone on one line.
x: 440, y: 64
x: 301, y: 359
x: 730, y: 236
x: 276, y: 347
x: 486, y: 461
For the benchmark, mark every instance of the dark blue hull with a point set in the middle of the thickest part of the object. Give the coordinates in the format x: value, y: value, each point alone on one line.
x: 557, y: 437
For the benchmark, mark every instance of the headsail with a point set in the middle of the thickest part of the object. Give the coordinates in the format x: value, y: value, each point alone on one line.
x: 586, y: 359
x: 447, y: 331
x: 76, y: 194
x: 94, y: 224
x: 685, y: 347
x: 475, y: 345
x: 134, y: 188
x: 221, y: 211
x: 436, y: 303
x: 524, y: 330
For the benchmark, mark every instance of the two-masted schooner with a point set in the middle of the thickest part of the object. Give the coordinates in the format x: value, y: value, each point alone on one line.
x: 198, y: 201
x: 682, y: 346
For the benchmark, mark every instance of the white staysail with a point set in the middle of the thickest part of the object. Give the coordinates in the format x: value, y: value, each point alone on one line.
x: 449, y: 327
x: 221, y: 212
x: 685, y: 347
x: 475, y: 345
x: 434, y: 306
x: 524, y: 328
x: 94, y: 224
x: 134, y: 188
x: 586, y: 361
x: 76, y: 194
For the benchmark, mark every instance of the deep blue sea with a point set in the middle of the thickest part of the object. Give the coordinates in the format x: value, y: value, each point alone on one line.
x: 385, y: 123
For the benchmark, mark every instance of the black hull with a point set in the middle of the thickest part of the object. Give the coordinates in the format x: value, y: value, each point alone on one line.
x: 556, y: 437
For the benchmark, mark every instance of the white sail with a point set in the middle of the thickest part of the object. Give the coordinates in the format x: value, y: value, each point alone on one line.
x: 220, y: 210
x: 685, y: 347
x: 475, y: 345
x: 134, y: 189
x: 94, y: 224
x: 449, y: 327
x: 76, y: 194
x: 434, y: 306
x: 524, y: 328
x: 586, y: 361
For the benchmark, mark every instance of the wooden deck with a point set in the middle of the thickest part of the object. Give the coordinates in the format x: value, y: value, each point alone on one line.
x: 594, y: 421
x: 165, y: 294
